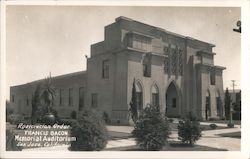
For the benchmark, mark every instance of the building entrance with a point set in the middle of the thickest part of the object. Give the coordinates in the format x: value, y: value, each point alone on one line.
x: 172, y: 101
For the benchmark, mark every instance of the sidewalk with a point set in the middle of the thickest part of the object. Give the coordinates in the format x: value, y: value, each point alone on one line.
x: 209, y: 138
x: 124, y: 129
x: 218, y: 124
x: 176, y: 120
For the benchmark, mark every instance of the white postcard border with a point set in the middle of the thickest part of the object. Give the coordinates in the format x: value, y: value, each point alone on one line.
x: 245, y: 60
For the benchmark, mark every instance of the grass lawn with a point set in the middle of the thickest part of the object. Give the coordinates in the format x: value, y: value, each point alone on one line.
x: 172, y: 146
x: 237, y: 122
x: 113, y: 135
x: 233, y: 135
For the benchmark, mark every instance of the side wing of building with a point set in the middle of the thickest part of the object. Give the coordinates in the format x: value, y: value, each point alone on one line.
x: 70, y: 95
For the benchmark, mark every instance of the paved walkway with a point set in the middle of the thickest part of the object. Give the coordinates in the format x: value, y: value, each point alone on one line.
x: 209, y: 138
x: 176, y: 120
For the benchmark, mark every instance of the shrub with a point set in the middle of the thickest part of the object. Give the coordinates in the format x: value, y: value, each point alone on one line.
x: 212, y: 119
x: 16, y: 118
x: 26, y: 121
x: 151, y: 129
x: 213, y: 126
x: 170, y: 120
x: 11, y: 143
x: 70, y: 122
x: 133, y: 105
x: 230, y: 125
x: 192, y: 117
x: 181, y: 122
x: 40, y: 112
x: 189, y: 131
x: 90, y: 132
x: 9, y: 112
x: 222, y: 118
x: 42, y: 116
x: 55, y: 113
x: 105, y: 117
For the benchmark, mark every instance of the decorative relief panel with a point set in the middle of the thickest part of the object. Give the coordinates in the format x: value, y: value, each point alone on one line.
x: 167, y: 60
x: 180, y: 52
x: 173, y: 60
x: 173, y: 63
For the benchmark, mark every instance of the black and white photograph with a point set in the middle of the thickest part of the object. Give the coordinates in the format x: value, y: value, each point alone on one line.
x: 126, y: 78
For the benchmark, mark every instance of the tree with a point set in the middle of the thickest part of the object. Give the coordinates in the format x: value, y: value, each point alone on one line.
x: 9, y: 110
x: 151, y: 129
x: 227, y: 104
x: 48, y: 93
x: 90, y: 132
x: 47, y: 97
x: 133, y: 104
x: 237, y: 107
x: 35, y: 103
x: 189, y: 131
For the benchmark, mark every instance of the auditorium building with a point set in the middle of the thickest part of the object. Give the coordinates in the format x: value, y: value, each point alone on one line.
x: 172, y: 71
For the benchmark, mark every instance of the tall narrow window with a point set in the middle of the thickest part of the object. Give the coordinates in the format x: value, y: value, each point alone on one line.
x: 218, y: 103
x: 145, y: 70
x: 212, y: 77
x: 94, y: 100
x: 174, y: 102
x: 81, y: 98
x: 105, y: 69
x: 155, y: 96
x: 71, y: 97
x: 61, y: 97
x: 147, y: 65
x: 208, y: 106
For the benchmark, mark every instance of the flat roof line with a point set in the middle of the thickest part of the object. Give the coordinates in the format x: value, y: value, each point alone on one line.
x: 55, y: 77
x: 162, y: 30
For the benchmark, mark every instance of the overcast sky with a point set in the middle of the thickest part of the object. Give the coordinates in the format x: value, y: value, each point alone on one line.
x: 43, y: 39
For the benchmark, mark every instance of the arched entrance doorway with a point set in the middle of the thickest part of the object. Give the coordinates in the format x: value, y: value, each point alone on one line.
x: 172, y: 101
x: 208, y: 106
x: 218, y: 104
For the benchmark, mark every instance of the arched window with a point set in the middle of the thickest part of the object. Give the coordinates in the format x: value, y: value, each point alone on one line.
x: 155, y: 95
x: 208, y: 105
x: 138, y: 89
x: 218, y: 103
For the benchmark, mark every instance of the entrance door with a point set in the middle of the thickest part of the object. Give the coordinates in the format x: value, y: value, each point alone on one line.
x: 172, y: 101
x: 208, y: 106
x: 218, y: 104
